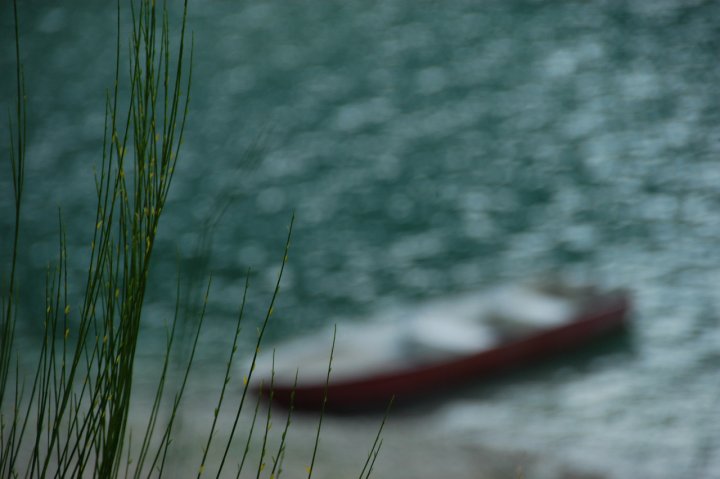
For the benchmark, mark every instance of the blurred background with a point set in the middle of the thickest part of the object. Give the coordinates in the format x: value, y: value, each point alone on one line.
x: 426, y: 148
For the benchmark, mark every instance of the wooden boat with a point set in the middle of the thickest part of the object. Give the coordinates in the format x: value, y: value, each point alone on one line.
x: 440, y: 346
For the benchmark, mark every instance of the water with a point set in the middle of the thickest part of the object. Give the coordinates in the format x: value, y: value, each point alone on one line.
x: 429, y: 149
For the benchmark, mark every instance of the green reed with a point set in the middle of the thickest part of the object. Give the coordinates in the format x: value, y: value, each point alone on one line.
x: 71, y: 419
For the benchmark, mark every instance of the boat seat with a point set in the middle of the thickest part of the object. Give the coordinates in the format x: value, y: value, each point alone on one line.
x: 436, y: 339
x: 519, y: 311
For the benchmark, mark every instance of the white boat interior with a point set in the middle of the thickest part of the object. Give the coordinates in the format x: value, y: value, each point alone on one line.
x: 436, y: 331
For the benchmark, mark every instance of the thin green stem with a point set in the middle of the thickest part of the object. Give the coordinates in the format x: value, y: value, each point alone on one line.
x: 324, y: 403
x: 261, y: 333
x: 226, y: 379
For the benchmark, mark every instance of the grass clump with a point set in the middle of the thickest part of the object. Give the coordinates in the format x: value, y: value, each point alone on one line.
x: 71, y: 418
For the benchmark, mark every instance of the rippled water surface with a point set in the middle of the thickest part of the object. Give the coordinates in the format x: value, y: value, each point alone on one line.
x: 427, y: 149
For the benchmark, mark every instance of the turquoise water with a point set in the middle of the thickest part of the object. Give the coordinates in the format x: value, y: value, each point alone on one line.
x: 428, y: 149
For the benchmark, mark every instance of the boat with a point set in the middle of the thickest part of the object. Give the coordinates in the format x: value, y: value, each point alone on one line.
x: 436, y: 348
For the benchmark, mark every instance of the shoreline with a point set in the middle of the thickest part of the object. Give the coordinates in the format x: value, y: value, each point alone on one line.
x: 415, y: 444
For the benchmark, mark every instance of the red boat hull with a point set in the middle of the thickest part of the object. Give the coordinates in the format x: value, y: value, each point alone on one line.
x: 602, y: 316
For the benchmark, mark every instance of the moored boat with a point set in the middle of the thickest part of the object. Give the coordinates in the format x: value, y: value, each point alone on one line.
x: 440, y: 345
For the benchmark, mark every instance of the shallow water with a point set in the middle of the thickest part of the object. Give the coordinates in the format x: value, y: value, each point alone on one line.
x: 429, y: 149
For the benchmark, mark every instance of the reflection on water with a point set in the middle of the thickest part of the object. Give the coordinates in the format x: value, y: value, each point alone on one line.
x: 430, y: 149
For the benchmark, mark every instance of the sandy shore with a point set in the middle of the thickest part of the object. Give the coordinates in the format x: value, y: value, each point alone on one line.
x: 416, y: 445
